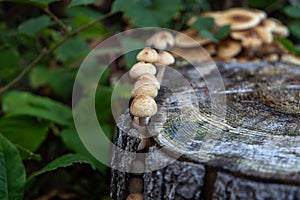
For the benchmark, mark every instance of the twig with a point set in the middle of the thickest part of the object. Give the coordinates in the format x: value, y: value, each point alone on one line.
x: 57, y: 20
x: 45, y: 53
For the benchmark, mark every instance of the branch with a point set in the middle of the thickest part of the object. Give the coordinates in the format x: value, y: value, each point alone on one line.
x: 45, y: 53
x: 57, y: 20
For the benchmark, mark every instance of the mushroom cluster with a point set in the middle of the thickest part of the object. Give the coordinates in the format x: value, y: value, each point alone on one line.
x: 150, y: 63
x: 251, y: 37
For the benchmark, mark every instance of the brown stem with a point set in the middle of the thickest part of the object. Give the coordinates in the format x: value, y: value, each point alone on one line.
x: 57, y: 20
x: 45, y: 53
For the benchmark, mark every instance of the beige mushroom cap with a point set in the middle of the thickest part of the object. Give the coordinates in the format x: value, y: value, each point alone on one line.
x: 189, y: 38
x: 267, y: 24
x: 290, y: 58
x: 147, y: 55
x: 148, y: 78
x: 143, y: 106
x: 238, y: 18
x: 279, y: 29
x: 142, y: 88
x: 141, y: 68
x: 161, y: 40
x: 165, y: 58
x: 260, y: 13
x: 264, y: 34
x: 228, y: 49
x: 135, y: 196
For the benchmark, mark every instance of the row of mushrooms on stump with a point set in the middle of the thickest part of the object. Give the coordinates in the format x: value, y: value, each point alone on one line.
x: 251, y: 38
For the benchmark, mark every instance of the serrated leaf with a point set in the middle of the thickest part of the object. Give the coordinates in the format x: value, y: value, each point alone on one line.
x: 222, y: 32
x: 80, y: 2
x: 23, y: 131
x: 63, y: 161
x: 292, y: 10
x: 204, y: 23
x: 38, y: 3
x: 288, y: 45
x: 16, y: 103
x: 34, y: 25
x: 12, y: 173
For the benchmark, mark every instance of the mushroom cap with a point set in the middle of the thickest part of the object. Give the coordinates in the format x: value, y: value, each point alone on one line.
x: 279, y: 29
x: 290, y: 58
x: 195, y: 54
x: 148, y: 78
x: 271, y: 57
x: 228, y: 49
x: 135, y: 196
x: 238, y: 18
x: 189, y: 38
x: 267, y: 24
x: 161, y: 40
x: 252, y: 38
x: 142, y: 88
x: 141, y: 68
x: 264, y: 34
x: 252, y: 42
x: 165, y: 58
x: 260, y: 13
x: 143, y: 106
x: 147, y: 55
x: 210, y: 48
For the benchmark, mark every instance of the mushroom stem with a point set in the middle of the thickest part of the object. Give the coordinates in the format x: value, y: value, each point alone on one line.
x: 160, y: 74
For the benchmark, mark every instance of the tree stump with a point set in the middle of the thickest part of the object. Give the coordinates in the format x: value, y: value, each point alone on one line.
x: 246, y: 148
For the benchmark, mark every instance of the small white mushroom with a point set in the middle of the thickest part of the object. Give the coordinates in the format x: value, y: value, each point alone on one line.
x: 148, y: 78
x: 143, y: 107
x: 140, y: 69
x: 161, y: 40
x: 165, y: 58
x: 141, y: 88
x: 147, y: 55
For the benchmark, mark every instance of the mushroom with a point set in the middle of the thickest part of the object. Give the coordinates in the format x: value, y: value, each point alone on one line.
x: 161, y: 40
x: 143, y: 107
x: 239, y: 19
x: 147, y: 55
x: 190, y: 38
x: 213, y: 14
x: 290, y: 58
x: 228, y: 49
x: 135, y: 196
x: 141, y: 68
x: 271, y: 57
x: 165, y: 58
x: 148, y: 89
x: 148, y: 78
x: 279, y: 29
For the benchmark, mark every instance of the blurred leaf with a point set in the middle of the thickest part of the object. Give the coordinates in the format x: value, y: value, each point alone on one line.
x: 80, y: 2
x: 133, y: 45
x: 73, y: 49
x: 288, y: 45
x: 38, y: 3
x: 60, y: 80
x: 261, y: 4
x: 204, y: 23
x: 63, y: 161
x: 34, y: 25
x: 148, y: 13
x: 26, y: 154
x: 207, y: 34
x: 85, y: 11
x: 12, y: 173
x: 294, y: 28
x: 103, y: 103
x: 222, y: 32
x: 72, y: 141
x: 292, y: 10
x: 23, y: 131
x: 23, y: 103
x: 9, y: 64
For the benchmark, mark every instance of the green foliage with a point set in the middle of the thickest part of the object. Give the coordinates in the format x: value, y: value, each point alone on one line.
x: 33, y: 26
x: 294, y: 28
x: 288, y: 44
x: 80, y: 2
x: 206, y: 26
x: 12, y: 173
x: 154, y: 13
x: 261, y: 4
x: 292, y: 11
x: 10, y: 64
x: 38, y: 3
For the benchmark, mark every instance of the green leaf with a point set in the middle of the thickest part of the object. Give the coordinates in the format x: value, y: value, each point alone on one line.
x: 63, y: 161
x: 9, y: 64
x: 207, y: 34
x: 148, y: 13
x: 80, y: 2
x: 72, y: 50
x: 34, y: 25
x: 60, y: 80
x: 12, y: 173
x: 72, y: 141
x: 261, y: 4
x: 204, y: 23
x: 24, y: 103
x: 103, y: 103
x: 294, y: 28
x: 38, y: 3
x: 222, y: 32
x: 24, y: 131
x: 26, y: 154
x: 292, y: 10
x: 288, y: 45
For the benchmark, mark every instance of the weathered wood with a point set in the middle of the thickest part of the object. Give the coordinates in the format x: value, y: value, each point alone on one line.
x: 251, y: 152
